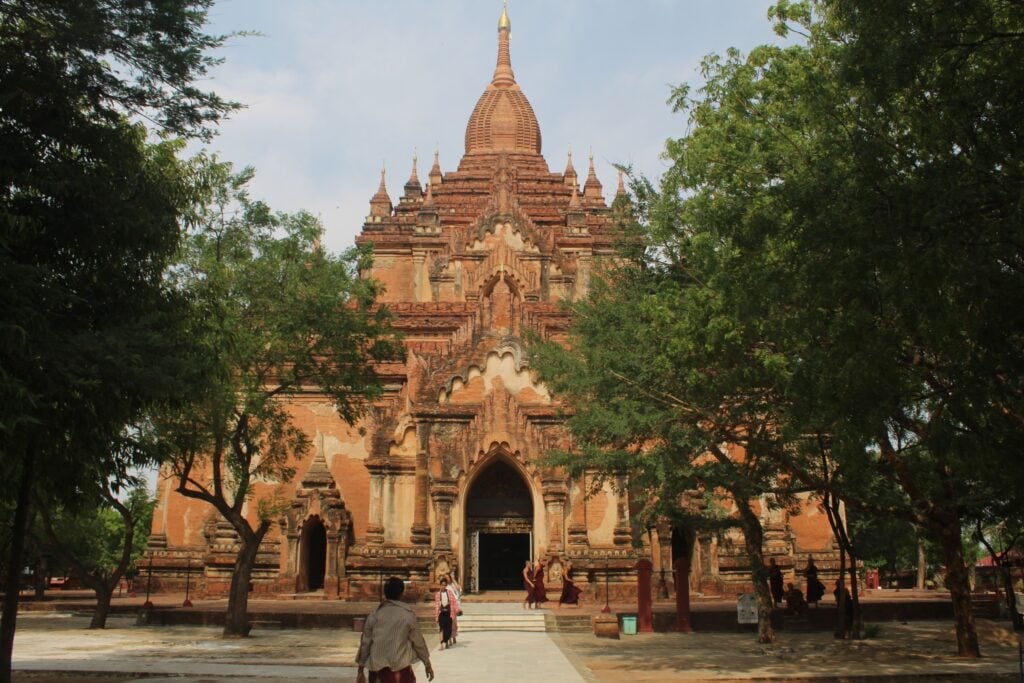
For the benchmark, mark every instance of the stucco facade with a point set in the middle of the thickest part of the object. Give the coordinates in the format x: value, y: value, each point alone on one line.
x: 445, y: 473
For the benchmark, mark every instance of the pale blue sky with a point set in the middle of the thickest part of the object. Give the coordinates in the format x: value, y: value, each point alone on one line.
x: 334, y: 88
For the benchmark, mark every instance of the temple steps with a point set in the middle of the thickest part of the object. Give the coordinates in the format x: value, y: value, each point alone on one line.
x: 568, y: 623
x: 531, y: 621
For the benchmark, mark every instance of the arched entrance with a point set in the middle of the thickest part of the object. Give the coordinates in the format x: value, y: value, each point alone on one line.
x: 499, y: 529
x: 312, y: 555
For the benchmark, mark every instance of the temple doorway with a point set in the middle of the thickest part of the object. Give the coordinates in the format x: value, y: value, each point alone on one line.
x: 312, y: 555
x: 499, y: 528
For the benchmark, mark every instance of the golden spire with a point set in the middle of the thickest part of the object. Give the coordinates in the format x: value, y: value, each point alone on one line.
x: 504, y: 22
x: 503, y: 76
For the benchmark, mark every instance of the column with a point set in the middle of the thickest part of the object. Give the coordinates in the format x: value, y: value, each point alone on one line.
x: 554, y: 506
x: 622, y: 534
x: 420, y: 523
x: 442, y: 493
x: 375, y: 527
x: 578, y: 538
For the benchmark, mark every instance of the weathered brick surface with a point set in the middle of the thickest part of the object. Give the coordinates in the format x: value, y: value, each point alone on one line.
x: 470, y: 262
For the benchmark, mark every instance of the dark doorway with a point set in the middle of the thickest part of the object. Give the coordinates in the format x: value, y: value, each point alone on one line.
x: 682, y: 545
x: 313, y: 554
x: 499, y: 525
x: 501, y: 560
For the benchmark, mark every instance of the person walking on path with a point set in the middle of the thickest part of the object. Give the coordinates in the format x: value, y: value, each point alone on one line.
x: 540, y: 594
x: 446, y: 613
x: 392, y: 641
x: 570, y: 591
x: 815, y: 588
x: 775, y: 581
x: 528, y: 585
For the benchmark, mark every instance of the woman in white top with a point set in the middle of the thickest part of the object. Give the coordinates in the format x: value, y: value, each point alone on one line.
x: 446, y: 610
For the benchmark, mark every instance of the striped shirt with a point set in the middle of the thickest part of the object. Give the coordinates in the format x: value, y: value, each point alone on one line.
x: 392, y: 639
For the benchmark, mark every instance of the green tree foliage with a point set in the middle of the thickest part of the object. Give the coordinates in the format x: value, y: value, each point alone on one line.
x: 99, y: 540
x: 274, y: 316
x: 843, y: 221
x: 88, y: 221
x: 664, y: 389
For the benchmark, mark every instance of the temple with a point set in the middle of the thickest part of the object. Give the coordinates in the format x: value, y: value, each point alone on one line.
x: 446, y: 472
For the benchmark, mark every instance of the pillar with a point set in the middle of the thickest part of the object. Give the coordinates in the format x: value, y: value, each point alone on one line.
x: 664, y: 531
x: 681, y: 566
x: 442, y: 493
x: 622, y: 535
x: 375, y: 526
x: 644, y: 608
x: 554, y: 507
x: 420, y: 523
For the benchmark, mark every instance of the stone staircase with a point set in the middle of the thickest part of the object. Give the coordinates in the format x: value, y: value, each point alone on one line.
x: 568, y: 623
x: 527, y: 620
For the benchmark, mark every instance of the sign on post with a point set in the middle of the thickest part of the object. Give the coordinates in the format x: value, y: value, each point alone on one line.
x: 746, y: 608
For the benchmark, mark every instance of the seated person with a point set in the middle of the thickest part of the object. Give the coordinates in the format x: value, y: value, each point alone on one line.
x: 795, y: 603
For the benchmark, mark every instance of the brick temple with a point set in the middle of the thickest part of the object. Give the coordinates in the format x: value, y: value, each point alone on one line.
x: 446, y: 473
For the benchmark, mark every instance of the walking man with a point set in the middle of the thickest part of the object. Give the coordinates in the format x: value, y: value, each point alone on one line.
x: 392, y: 641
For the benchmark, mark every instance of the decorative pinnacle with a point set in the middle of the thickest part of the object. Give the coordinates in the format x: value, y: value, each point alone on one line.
x: 503, y: 76
x: 503, y: 22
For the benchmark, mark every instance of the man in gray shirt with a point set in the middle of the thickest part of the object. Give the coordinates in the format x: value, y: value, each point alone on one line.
x: 392, y: 641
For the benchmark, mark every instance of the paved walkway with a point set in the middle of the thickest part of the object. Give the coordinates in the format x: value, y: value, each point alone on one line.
x: 510, y: 656
x: 61, y: 644
x: 915, y: 651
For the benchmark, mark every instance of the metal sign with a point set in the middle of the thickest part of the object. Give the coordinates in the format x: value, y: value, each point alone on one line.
x: 746, y: 608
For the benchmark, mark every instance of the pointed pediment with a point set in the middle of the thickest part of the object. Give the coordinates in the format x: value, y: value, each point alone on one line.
x: 319, y: 475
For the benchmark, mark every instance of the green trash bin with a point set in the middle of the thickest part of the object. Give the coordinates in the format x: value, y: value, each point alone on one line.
x: 629, y: 626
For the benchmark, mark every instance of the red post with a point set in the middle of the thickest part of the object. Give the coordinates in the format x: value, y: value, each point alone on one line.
x: 644, y: 608
x: 681, y: 568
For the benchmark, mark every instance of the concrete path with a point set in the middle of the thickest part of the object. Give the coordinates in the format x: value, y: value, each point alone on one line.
x: 502, y: 656
x: 61, y: 644
x: 915, y: 651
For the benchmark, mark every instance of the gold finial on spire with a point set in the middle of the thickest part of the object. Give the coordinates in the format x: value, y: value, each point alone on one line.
x: 503, y: 22
x: 503, y: 76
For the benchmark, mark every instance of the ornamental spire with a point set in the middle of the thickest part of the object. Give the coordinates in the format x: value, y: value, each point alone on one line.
x: 380, y: 203
x: 592, y: 187
x: 435, y: 170
x: 413, y: 190
x: 570, y: 171
x: 503, y: 76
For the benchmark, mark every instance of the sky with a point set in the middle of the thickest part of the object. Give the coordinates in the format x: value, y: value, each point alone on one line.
x: 335, y: 89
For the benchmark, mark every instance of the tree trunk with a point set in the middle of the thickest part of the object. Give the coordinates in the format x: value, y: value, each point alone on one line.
x: 9, y: 616
x: 753, y: 536
x: 104, y: 590
x: 236, y: 622
x: 959, y: 586
x: 841, y: 632
x: 922, y: 565
x: 857, y: 629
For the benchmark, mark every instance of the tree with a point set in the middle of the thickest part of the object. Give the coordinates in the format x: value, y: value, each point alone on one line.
x: 664, y: 387
x: 99, y: 539
x: 845, y: 217
x: 88, y: 220
x: 274, y: 315
x: 863, y: 193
